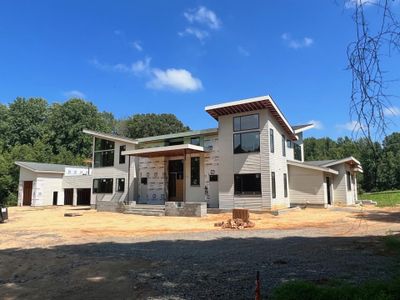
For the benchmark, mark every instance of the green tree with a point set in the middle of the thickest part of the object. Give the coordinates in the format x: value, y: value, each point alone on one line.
x: 142, y: 125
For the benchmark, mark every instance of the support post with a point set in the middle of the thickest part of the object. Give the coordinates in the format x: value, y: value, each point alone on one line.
x: 129, y: 178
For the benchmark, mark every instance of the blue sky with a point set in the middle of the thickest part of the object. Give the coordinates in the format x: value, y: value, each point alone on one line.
x: 179, y: 56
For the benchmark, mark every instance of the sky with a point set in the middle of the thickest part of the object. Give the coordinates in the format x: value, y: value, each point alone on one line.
x: 177, y: 57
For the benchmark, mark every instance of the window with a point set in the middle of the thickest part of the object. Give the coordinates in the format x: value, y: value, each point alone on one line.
x: 273, y: 184
x: 195, y: 141
x: 143, y: 180
x: 297, y: 152
x: 271, y: 140
x: 173, y: 142
x: 103, y: 153
x: 289, y: 143
x: 247, y: 184
x: 246, y: 122
x: 121, y: 185
x: 246, y: 142
x: 348, y: 180
x: 195, y: 171
x: 122, y: 157
x: 103, y: 186
x: 285, y: 185
x: 283, y: 145
x: 213, y: 178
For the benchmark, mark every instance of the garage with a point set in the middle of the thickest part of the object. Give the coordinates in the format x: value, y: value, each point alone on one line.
x: 68, y: 196
x: 83, y: 196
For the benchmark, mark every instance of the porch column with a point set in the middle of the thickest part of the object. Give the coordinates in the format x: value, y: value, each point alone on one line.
x: 75, y: 197
x: 129, y: 178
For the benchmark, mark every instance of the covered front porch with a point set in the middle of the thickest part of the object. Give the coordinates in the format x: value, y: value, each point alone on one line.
x: 167, y: 173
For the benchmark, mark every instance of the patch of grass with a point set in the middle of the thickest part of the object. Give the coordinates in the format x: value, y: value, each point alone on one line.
x: 335, y: 290
x: 387, y: 198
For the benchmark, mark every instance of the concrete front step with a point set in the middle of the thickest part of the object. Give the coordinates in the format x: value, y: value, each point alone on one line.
x: 145, y: 211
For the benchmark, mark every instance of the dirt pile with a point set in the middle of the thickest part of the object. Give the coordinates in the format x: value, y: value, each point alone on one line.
x: 235, y: 224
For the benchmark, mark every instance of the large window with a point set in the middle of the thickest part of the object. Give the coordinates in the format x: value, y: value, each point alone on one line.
x: 297, y: 151
x: 285, y: 185
x: 273, y: 185
x: 121, y: 185
x: 283, y: 145
x: 103, y: 153
x: 348, y: 176
x: 173, y: 142
x: 246, y: 142
x: 122, y: 157
x: 248, y: 184
x: 195, y: 171
x: 271, y: 140
x: 245, y: 122
x: 103, y: 186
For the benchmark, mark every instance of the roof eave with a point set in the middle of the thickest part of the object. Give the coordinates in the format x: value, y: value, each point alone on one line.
x: 109, y: 137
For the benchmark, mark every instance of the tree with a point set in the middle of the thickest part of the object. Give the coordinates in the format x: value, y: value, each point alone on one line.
x: 67, y: 120
x: 142, y: 125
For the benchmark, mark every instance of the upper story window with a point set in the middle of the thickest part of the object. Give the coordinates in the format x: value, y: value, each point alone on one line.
x: 103, y: 153
x: 249, y: 122
x: 271, y: 140
x: 122, y: 157
x: 297, y: 152
x: 195, y: 141
x: 283, y: 145
x: 246, y: 142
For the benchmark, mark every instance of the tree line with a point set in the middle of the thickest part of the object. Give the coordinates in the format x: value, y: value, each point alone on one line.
x: 380, y: 161
x: 34, y: 130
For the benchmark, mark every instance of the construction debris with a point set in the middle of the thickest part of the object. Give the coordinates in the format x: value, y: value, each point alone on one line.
x: 235, y: 224
x: 72, y: 215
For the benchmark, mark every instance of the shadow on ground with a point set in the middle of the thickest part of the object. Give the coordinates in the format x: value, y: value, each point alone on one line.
x: 222, y: 268
x: 380, y: 216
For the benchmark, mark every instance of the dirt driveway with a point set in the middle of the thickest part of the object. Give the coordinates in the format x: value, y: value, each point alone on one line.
x: 44, y: 255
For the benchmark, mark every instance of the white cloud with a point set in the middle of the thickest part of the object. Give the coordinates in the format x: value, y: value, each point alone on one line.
x: 317, y: 124
x: 204, y: 16
x: 174, y: 79
x: 198, y: 33
x: 169, y: 79
x: 353, y: 3
x: 350, y: 126
x: 74, y: 94
x: 391, y: 111
x: 137, y: 45
x: 297, y: 43
x: 243, y: 51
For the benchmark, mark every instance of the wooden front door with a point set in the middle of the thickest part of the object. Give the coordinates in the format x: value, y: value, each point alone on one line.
x: 27, y: 193
x: 175, y: 180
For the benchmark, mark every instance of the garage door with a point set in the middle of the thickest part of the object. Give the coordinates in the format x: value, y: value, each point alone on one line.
x: 83, y: 196
x: 68, y: 196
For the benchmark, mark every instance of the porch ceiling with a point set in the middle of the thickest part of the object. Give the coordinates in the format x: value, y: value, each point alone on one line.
x: 176, y: 150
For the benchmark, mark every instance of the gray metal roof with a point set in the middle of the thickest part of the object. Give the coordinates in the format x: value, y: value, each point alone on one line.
x: 178, y: 135
x: 43, y: 167
x: 295, y: 127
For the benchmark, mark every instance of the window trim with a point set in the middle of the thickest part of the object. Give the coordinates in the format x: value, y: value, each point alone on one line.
x: 283, y: 145
x: 271, y: 140
x: 285, y: 185
x: 122, y: 156
x: 348, y: 181
x: 117, y: 188
x: 273, y: 185
x: 246, y: 194
x: 99, y: 179
x: 246, y: 132
x: 240, y: 118
x: 192, y: 177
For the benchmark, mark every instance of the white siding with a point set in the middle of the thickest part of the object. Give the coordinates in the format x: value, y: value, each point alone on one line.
x: 306, y: 186
x: 342, y: 195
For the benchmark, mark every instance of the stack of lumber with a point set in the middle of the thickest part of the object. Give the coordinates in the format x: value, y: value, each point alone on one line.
x: 240, y: 220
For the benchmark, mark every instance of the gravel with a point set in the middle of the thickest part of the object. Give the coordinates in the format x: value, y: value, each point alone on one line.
x: 207, y: 265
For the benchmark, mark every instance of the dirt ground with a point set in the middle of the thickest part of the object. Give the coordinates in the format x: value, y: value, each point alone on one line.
x: 44, y: 255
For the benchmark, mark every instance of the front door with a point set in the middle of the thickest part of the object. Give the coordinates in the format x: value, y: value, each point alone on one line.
x: 328, y: 190
x: 27, y: 193
x: 175, y: 180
